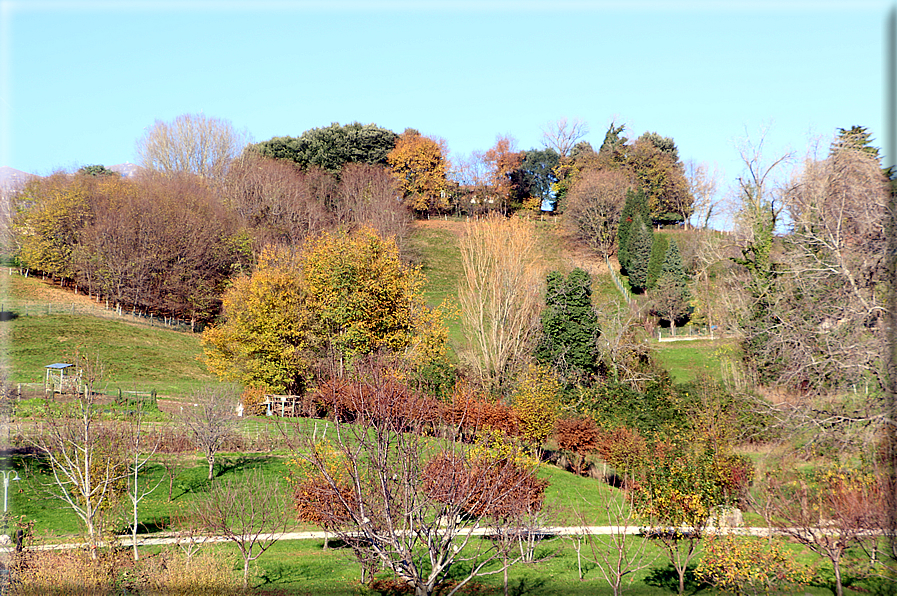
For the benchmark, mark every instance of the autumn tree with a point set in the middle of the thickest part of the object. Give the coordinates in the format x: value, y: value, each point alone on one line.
x: 344, y: 295
x: 828, y: 511
x: 420, y: 164
x: 536, y: 400
x: 399, y: 500
x: 276, y: 201
x: 50, y: 214
x: 503, y: 161
x: 367, y: 196
x: 264, y: 337
x: 655, y: 163
x: 703, y: 183
x: 578, y: 437
x: 500, y: 297
x: 594, y: 207
x: 191, y: 143
x: 364, y: 298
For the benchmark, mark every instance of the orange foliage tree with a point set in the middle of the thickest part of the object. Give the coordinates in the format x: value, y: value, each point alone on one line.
x: 420, y: 165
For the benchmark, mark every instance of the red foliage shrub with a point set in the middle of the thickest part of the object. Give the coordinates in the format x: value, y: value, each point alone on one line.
x: 579, y: 436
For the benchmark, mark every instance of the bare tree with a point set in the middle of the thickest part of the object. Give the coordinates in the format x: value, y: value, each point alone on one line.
x: 563, y: 134
x: 369, y: 195
x: 594, y: 205
x: 619, y: 554
x: 192, y: 143
x: 142, y: 448
x: 500, y: 296
x: 210, y: 420
x: 414, y: 505
x: 86, y: 456
x: 703, y: 184
x: 250, y: 510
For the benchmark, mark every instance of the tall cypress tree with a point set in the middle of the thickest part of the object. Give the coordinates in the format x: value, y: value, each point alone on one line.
x: 658, y: 256
x: 636, y: 204
x: 641, y: 239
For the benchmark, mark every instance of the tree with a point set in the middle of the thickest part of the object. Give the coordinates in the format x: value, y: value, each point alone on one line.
x: 420, y: 165
x: 570, y: 328
x: 703, y: 183
x: 620, y: 554
x: 367, y: 196
x: 345, y: 295
x: 562, y: 134
x: 636, y: 203
x: 678, y: 490
x: 659, y: 249
x: 276, y: 201
x: 595, y: 205
x: 140, y: 453
x: 86, y: 455
x: 537, y: 172
x: 97, y: 170
x: 191, y: 143
x: 362, y: 298
x: 210, y: 420
x: 536, y: 401
x: 638, y: 251
x: 332, y: 147
x: 829, y: 511
x: 671, y: 296
x: 503, y: 161
x: 264, y: 337
x: 660, y: 174
x: 749, y: 565
x: 578, y: 437
x: 400, y: 500
x: 251, y: 511
x: 500, y: 297
x: 50, y: 214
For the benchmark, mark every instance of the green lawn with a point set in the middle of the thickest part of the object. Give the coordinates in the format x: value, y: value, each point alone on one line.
x: 687, y: 359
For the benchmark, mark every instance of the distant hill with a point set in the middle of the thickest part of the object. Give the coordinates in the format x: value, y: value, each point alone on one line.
x: 12, y: 180
x: 128, y: 170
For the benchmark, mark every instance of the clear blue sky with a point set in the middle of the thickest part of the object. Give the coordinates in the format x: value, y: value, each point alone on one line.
x: 82, y: 80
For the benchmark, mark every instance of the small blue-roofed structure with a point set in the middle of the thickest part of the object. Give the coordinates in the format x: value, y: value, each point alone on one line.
x: 58, y: 382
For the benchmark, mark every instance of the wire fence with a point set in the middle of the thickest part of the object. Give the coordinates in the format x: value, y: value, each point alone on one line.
x: 13, y: 309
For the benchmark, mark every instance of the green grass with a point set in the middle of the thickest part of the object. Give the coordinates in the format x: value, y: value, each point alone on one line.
x: 133, y: 357
x: 687, y: 359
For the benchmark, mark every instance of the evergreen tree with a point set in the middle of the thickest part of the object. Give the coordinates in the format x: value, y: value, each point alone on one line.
x: 671, y: 295
x: 638, y: 249
x: 569, y: 326
x: 656, y: 262
x: 636, y: 203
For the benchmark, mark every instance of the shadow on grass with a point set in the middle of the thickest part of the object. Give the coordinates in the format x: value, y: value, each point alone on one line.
x: 667, y: 578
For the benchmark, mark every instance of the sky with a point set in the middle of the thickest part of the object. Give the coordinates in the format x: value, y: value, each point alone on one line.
x: 81, y: 81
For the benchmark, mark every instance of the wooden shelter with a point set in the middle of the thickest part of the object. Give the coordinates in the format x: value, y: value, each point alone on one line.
x: 57, y: 381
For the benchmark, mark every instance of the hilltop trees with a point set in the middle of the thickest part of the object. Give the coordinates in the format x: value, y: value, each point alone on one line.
x: 332, y: 147
x: 420, y: 165
x: 193, y: 144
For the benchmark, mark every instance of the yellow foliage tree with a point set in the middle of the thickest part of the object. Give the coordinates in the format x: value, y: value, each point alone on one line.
x: 344, y: 296
x: 536, y: 400
x: 263, y: 339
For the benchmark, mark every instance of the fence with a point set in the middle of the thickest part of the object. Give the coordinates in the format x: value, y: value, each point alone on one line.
x: 689, y: 332
x: 22, y: 308
x: 627, y: 295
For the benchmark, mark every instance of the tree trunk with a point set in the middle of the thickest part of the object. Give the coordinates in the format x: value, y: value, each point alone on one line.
x: 211, y: 459
x: 839, y: 589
